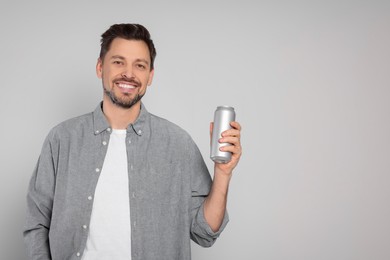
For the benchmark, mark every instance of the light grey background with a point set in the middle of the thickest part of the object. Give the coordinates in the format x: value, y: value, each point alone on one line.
x: 310, y: 83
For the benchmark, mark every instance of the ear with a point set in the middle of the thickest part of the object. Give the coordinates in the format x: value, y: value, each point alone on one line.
x: 151, y: 74
x: 99, y: 68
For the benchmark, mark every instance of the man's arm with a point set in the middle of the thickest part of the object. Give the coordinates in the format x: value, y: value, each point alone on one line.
x: 39, y: 205
x: 215, y: 203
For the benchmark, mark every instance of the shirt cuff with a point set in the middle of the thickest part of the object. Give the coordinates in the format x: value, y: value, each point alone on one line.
x: 203, y: 229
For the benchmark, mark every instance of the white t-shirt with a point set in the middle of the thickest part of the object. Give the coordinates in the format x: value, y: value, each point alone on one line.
x: 109, y: 231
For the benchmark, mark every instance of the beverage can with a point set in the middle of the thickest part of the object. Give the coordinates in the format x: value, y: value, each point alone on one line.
x: 223, y: 116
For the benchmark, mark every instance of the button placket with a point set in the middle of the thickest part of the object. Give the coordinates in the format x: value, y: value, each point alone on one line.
x: 104, y: 142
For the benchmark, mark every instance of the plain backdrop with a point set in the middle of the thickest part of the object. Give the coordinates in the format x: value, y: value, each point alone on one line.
x: 310, y: 83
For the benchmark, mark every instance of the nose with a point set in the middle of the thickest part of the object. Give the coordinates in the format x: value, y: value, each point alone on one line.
x: 127, y: 72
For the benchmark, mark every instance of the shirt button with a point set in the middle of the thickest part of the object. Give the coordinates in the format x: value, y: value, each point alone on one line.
x: 109, y: 129
x: 133, y: 194
x: 97, y: 131
x: 78, y: 254
x: 97, y: 170
x: 139, y: 131
x: 104, y: 143
x: 89, y: 197
x: 129, y: 141
x: 131, y: 167
x: 85, y: 226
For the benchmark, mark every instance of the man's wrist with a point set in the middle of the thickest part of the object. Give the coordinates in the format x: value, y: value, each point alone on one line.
x: 222, y: 176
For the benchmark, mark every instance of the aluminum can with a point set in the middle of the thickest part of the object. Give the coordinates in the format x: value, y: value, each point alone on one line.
x: 222, y: 117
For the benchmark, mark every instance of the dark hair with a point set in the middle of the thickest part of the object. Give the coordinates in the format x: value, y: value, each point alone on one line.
x: 127, y: 32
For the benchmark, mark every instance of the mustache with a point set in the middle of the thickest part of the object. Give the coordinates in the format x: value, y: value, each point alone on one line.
x: 131, y: 81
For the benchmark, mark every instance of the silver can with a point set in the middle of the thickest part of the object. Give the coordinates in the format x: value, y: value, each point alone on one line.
x: 222, y: 118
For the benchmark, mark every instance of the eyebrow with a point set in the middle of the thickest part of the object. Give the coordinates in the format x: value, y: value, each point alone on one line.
x: 123, y: 58
x: 117, y: 57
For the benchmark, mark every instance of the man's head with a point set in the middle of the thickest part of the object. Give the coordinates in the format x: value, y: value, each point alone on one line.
x: 128, y: 32
x: 126, y: 63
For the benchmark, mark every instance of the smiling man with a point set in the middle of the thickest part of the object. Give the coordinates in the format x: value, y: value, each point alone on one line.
x: 120, y: 182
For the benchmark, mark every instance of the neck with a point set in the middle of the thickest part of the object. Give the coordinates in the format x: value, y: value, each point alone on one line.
x: 118, y: 117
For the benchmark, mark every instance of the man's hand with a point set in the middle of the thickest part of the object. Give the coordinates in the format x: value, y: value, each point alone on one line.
x: 231, y: 136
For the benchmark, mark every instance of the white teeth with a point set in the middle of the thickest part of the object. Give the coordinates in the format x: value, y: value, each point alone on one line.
x: 125, y: 86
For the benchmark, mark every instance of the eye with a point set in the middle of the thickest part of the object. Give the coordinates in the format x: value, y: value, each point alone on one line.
x: 117, y: 62
x: 141, y: 66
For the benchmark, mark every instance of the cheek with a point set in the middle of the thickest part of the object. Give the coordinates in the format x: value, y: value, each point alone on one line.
x: 108, y: 75
x: 106, y: 80
x: 146, y: 79
x: 147, y: 82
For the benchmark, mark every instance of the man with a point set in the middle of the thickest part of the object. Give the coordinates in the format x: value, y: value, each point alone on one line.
x: 121, y: 183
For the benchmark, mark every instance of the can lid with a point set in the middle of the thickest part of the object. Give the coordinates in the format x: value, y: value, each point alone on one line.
x: 225, y: 107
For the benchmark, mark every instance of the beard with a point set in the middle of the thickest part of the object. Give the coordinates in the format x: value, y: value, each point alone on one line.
x: 123, y: 102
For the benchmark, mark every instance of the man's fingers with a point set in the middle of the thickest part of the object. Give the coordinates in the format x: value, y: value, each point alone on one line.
x: 231, y: 148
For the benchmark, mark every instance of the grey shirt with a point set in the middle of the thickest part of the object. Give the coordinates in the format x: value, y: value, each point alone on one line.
x: 168, y: 182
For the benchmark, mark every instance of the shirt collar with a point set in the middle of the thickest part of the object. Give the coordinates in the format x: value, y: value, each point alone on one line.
x: 100, y: 123
x: 139, y: 124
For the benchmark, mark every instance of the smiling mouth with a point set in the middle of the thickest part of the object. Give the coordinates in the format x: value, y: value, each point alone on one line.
x: 125, y: 85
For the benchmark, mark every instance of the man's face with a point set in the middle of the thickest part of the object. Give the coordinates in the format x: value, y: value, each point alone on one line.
x: 125, y: 72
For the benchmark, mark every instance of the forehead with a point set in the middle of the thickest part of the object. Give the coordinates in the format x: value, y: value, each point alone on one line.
x: 129, y: 49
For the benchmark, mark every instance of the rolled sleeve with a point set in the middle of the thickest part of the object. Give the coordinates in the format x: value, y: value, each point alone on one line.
x: 202, y: 234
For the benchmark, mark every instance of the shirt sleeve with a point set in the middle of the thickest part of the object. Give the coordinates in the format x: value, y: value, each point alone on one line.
x: 201, y: 233
x: 39, y: 204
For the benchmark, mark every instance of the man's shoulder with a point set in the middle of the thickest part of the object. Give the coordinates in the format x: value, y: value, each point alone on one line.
x: 166, y: 127
x: 74, y: 125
